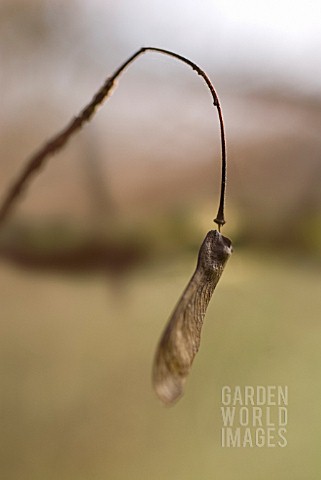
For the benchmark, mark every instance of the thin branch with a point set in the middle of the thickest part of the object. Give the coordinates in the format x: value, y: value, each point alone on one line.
x: 57, y: 142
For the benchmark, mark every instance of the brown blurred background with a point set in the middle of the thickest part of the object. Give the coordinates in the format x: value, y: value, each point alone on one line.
x: 96, y: 254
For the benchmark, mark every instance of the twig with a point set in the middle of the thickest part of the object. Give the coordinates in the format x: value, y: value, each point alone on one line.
x: 57, y: 142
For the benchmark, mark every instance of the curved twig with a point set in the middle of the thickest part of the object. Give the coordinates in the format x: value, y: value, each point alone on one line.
x: 57, y: 142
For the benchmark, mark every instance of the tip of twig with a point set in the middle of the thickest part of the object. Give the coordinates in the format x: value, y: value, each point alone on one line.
x: 219, y: 222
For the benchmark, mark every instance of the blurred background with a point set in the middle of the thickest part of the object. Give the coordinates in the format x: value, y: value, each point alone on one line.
x: 105, y: 239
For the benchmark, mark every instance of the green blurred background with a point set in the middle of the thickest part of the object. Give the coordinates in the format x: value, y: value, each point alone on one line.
x: 96, y: 255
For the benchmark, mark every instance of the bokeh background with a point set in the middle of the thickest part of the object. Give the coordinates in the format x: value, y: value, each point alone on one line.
x: 105, y: 239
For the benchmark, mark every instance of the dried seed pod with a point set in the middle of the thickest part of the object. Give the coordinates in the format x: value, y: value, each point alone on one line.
x: 181, y: 338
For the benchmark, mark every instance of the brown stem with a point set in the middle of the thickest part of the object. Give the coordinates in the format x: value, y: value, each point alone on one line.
x: 57, y: 142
